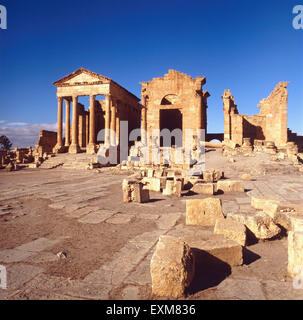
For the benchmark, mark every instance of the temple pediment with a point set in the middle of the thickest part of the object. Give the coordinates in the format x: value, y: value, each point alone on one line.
x: 82, y: 77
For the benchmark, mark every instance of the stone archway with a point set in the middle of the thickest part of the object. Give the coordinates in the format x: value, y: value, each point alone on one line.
x: 214, y: 136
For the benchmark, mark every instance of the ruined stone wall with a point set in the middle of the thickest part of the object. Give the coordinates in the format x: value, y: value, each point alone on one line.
x: 274, y: 108
x: 253, y: 127
x: 46, y: 141
x: 270, y: 124
x: 178, y: 91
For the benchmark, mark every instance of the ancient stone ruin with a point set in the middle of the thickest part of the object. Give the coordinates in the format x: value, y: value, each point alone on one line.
x: 199, y: 217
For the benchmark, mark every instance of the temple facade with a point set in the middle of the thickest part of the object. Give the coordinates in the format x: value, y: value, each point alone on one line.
x: 81, y: 133
x: 175, y: 101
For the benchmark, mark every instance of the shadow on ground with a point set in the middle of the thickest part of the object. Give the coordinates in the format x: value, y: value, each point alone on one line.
x: 249, y: 256
x: 209, y: 271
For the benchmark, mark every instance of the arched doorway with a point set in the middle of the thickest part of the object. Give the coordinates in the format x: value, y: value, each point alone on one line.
x: 171, y: 119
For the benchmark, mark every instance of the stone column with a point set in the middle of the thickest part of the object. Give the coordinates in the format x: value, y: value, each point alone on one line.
x: 143, y: 125
x: 91, y: 148
x: 118, y: 126
x: 108, y: 102
x: 74, y: 147
x: 86, y: 128
x: 67, y: 122
x: 59, y: 146
x: 113, y: 124
x: 81, y: 126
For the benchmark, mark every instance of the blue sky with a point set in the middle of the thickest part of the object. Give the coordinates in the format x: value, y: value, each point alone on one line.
x: 246, y: 46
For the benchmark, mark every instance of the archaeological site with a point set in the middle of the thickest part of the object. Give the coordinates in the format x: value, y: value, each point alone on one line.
x: 132, y: 198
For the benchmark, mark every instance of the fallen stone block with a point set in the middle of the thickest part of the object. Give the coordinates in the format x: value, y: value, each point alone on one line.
x: 33, y: 165
x: 230, y: 186
x: 203, y: 212
x: 260, y: 224
x: 223, y: 249
x: 212, y: 175
x: 172, y: 267
x: 169, y: 188
x: 218, y: 174
x: 190, y: 181
x: 133, y: 191
x: 229, y: 143
x: 295, y: 253
x: 231, y: 229
x: 178, y: 186
x: 152, y: 184
x: 271, y: 206
x: 203, y: 188
x: 259, y: 203
x: 173, y: 187
x: 246, y: 177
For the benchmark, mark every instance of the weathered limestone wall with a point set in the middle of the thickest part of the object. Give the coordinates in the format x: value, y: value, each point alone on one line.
x: 175, y: 91
x: 46, y: 141
x: 274, y: 108
x: 270, y: 124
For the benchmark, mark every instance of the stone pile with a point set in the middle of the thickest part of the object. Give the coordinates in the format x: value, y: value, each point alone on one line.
x: 13, y: 160
x: 172, y: 181
x: 172, y: 263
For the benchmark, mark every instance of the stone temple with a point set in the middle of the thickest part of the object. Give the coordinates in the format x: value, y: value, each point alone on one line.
x: 119, y: 104
x: 233, y: 205
x: 175, y: 101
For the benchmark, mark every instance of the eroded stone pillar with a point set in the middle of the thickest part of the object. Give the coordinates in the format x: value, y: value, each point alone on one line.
x: 67, y: 122
x: 118, y: 127
x: 113, y: 124
x: 199, y: 120
x: 143, y: 125
x: 91, y: 148
x: 87, y: 128
x: 74, y: 147
x: 59, y: 146
x: 108, y: 102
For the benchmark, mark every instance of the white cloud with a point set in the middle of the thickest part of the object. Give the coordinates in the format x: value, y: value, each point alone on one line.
x: 24, y: 134
x: 16, y: 124
x: 2, y: 121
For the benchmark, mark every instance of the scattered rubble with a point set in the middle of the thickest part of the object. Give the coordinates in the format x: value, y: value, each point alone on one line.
x: 260, y: 224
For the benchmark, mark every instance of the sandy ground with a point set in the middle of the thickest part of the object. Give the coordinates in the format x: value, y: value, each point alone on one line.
x: 109, y: 244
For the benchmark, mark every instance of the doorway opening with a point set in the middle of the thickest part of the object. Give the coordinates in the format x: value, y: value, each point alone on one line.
x: 171, y: 120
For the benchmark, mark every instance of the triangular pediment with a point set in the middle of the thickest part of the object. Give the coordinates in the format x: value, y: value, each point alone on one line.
x: 81, y: 76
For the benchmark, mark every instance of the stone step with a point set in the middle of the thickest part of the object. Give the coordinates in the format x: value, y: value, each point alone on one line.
x: 69, y: 161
